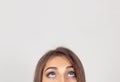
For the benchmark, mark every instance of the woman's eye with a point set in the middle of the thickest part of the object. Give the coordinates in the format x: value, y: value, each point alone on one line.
x: 71, y: 74
x: 51, y: 75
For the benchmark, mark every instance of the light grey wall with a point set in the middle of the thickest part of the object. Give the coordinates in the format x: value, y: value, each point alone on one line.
x: 29, y: 28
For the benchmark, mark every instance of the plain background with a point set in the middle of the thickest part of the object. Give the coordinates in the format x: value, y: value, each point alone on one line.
x: 90, y: 28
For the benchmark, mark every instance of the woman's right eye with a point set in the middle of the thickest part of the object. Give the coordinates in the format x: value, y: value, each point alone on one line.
x: 51, y: 75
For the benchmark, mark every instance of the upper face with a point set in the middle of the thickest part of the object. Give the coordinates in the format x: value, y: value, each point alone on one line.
x: 58, y: 69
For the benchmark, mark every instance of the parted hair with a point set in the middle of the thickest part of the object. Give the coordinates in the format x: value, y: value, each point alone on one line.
x: 60, y: 51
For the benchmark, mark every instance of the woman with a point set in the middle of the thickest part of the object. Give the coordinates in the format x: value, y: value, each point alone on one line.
x: 59, y: 65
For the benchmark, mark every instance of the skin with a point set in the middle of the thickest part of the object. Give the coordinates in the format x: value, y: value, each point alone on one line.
x: 58, y: 69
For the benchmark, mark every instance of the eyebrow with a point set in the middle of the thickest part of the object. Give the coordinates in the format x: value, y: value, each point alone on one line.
x: 57, y: 68
x: 69, y: 67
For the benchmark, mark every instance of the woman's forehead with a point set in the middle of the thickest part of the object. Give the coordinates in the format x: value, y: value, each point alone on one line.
x: 58, y: 61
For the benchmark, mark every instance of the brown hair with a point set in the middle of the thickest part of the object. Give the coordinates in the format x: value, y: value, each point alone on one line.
x: 74, y: 60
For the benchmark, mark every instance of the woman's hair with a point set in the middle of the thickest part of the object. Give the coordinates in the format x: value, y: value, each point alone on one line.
x: 60, y: 51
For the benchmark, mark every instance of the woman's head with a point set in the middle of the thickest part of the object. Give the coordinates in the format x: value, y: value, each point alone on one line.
x: 59, y: 65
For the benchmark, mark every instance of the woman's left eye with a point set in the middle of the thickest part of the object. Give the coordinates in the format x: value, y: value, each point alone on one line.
x: 71, y: 74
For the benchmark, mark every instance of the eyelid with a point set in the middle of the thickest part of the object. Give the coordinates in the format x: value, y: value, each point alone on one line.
x: 72, y: 75
x: 49, y: 68
x: 47, y: 75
